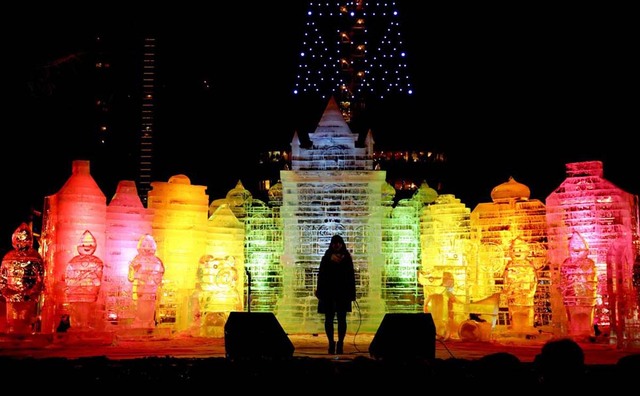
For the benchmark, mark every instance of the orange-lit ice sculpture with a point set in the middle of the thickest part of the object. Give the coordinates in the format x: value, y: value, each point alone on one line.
x: 83, y: 279
x: 520, y: 283
x: 513, y: 215
x: 578, y: 284
x: 146, y: 272
x: 21, y: 281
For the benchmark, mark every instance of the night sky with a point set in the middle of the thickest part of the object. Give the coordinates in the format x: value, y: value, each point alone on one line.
x: 503, y: 92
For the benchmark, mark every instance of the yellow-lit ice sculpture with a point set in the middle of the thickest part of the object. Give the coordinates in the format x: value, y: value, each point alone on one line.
x: 216, y: 293
x: 445, y: 267
x: 520, y: 282
x: 180, y: 213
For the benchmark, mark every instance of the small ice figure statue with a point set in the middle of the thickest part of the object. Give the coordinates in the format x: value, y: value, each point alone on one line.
x: 578, y: 285
x: 216, y: 293
x: 21, y: 281
x: 520, y: 283
x: 83, y: 278
x: 145, y: 272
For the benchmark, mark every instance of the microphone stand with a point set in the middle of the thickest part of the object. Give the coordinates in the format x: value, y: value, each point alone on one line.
x: 248, y: 289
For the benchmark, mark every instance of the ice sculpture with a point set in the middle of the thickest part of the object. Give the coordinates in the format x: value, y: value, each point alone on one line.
x: 83, y: 279
x: 127, y: 222
x: 606, y: 217
x: 578, y: 285
x: 78, y: 206
x: 145, y: 274
x: 494, y: 226
x: 180, y: 212
x: 216, y: 293
x: 21, y: 282
x: 332, y: 188
x: 445, y: 267
x: 520, y: 283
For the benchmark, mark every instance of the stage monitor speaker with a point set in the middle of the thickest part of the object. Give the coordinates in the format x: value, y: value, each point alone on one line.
x: 405, y: 336
x: 250, y: 335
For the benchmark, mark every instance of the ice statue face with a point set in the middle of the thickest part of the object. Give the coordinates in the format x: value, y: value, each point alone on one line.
x: 578, y: 247
x: 87, y: 245
x: 519, y: 249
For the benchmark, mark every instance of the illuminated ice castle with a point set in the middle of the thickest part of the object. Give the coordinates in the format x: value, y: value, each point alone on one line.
x: 512, y: 267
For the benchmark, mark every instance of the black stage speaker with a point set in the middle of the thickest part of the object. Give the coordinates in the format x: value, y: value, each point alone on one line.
x: 405, y: 336
x: 250, y: 335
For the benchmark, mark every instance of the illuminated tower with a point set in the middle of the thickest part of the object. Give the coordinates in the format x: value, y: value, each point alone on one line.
x: 146, y: 132
x: 352, y: 50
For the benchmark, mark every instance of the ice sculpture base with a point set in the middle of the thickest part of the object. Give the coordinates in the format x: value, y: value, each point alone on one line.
x: 144, y: 334
x: 24, y: 341
x: 89, y: 337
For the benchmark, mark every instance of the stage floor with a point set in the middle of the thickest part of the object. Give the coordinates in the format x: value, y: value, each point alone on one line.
x: 305, y: 346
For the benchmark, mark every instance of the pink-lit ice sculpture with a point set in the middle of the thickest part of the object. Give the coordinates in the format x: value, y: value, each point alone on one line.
x: 83, y: 278
x: 520, y: 281
x: 127, y: 221
x: 145, y: 272
x: 21, y: 281
x: 578, y: 285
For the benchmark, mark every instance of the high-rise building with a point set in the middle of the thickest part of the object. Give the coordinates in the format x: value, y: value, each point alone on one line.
x: 146, y: 132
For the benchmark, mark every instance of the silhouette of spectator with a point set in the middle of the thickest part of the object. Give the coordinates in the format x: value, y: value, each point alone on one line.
x: 560, y: 363
x: 507, y: 365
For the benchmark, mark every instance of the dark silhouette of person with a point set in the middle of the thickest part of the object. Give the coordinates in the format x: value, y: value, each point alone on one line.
x: 335, y: 290
x: 560, y: 363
